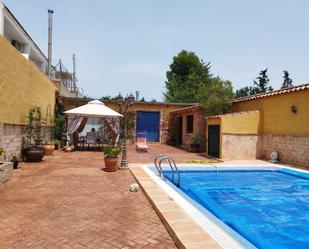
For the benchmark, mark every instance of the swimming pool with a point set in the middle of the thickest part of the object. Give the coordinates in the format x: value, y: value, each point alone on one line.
x: 268, y: 208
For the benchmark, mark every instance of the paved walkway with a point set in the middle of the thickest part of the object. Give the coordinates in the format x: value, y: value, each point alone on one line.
x: 156, y: 149
x: 67, y: 201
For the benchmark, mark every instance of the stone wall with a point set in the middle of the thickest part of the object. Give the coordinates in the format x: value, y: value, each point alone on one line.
x: 291, y: 149
x: 10, y: 140
x: 240, y: 146
x: 5, y: 172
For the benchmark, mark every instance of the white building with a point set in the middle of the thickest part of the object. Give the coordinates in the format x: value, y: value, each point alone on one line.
x: 14, y: 32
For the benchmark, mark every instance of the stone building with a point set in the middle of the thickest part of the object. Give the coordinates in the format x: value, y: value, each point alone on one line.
x: 188, y: 124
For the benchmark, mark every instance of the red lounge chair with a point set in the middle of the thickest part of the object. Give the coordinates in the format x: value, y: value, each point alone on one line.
x: 141, y: 145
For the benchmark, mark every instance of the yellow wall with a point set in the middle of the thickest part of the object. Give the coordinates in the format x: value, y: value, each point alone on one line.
x: 241, y: 123
x: 276, y: 115
x: 22, y: 86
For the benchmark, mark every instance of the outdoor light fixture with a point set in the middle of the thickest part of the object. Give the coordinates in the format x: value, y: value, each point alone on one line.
x: 125, y: 103
x: 293, y: 109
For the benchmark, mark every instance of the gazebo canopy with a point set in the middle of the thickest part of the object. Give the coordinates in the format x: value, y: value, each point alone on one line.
x: 94, y: 108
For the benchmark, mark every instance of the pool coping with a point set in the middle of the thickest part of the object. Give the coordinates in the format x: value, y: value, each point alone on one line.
x: 185, y: 230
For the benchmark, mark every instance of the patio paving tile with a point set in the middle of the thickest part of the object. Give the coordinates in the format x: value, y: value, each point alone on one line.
x: 67, y: 201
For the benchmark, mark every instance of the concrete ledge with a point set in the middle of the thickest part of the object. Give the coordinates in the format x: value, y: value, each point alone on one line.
x: 184, y: 231
x: 5, y: 171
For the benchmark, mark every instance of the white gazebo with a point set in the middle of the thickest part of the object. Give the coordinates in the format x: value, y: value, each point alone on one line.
x: 77, y: 119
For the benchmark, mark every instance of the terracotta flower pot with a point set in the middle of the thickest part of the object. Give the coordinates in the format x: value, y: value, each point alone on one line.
x: 111, y: 163
x: 48, y: 149
x: 68, y: 149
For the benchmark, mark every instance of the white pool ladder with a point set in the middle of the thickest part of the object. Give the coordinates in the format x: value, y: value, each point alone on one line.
x: 164, y: 157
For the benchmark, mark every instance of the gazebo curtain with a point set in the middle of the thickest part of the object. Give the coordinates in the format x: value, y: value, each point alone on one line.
x: 76, y: 124
x: 114, y: 125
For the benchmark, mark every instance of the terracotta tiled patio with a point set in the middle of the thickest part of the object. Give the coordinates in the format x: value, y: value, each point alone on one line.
x: 156, y: 149
x: 67, y: 201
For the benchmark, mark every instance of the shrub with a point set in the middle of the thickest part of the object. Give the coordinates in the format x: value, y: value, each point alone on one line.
x: 111, y: 151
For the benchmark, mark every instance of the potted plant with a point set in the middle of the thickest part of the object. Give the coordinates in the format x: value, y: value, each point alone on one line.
x: 15, y: 162
x: 32, y: 143
x: 195, y: 143
x: 2, y: 153
x: 111, y: 158
x: 56, y: 143
x: 68, y: 148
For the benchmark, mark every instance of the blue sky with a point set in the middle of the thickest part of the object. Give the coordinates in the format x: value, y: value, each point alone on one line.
x: 127, y: 45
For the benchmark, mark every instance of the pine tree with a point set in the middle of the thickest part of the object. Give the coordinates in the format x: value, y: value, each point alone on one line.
x: 262, y: 83
x: 187, y: 72
x: 287, y: 81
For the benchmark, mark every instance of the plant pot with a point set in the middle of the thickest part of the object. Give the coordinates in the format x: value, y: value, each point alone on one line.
x: 195, y: 148
x: 34, y: 154
x: 56, y: 146
x: 15, y: 163
x: 48, y: 149
x: 111, y: 163
x: 68, y: 149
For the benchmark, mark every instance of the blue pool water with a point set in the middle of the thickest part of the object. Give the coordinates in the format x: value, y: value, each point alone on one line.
x: 269, y: 208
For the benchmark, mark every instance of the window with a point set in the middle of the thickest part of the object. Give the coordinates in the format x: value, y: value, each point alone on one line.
x: 190, y: 124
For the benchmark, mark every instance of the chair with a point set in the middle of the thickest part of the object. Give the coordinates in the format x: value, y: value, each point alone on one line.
x: 141, y: 144
x: 90, y: 138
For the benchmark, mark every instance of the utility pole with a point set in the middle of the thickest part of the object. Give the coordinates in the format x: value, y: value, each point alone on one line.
x: 50, y: 31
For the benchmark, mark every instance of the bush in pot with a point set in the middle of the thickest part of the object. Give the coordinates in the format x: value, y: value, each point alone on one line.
x: 15, y: 162
x: 195, y: 143
x: 56, y: 143
x: 111, y: 158
x: 32, y: 143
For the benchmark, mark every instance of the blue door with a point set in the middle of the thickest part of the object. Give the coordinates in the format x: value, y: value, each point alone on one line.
x: 149, y: 124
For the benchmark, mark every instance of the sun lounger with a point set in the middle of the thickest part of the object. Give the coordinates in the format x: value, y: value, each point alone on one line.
x: 141, y: 145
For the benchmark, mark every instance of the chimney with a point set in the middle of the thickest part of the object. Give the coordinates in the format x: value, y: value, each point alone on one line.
x: 136, y: 95
x: 50, y: 30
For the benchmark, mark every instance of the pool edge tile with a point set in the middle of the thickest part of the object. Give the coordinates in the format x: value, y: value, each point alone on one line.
x: 185, y: 232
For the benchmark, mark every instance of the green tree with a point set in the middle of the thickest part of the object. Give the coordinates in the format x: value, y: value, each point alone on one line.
x: 215, y: 97
x: 187, y: 73
x: 59, y: 121
x: 262, y: 83
x: 107, y: 98
x: 243, y: 92
x: 287, y: 81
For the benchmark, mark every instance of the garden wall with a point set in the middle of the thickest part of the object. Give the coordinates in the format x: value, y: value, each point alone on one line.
x: 22, y: 86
